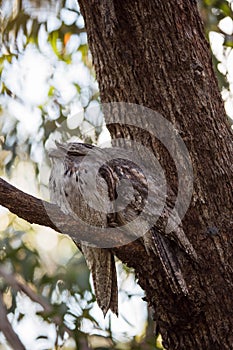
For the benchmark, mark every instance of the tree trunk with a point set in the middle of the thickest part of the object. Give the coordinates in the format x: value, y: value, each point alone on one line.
x: 154, y: 53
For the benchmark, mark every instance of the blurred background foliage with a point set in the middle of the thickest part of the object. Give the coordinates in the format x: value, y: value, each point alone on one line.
x: 48, y: 92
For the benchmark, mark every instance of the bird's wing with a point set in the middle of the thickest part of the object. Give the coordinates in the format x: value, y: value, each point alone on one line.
x: 155, y: 217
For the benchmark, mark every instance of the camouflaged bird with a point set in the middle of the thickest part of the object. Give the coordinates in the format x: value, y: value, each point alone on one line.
x: 67, y: 191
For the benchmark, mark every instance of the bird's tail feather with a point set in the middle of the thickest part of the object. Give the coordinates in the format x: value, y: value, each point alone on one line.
x: 102, y: 266
x: 161, y: 247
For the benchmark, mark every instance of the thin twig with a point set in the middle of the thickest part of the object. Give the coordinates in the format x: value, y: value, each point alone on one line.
x: 7, y: 329
x: 13, y: 281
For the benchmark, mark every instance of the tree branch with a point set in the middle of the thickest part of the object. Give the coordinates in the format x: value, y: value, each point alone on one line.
x: 40, y: 212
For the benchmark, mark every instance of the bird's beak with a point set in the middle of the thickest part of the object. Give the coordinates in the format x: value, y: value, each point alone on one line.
x: 59, y: 152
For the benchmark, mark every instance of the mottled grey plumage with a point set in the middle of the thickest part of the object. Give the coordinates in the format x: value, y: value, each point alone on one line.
x: 66, y: 189
x: 65, y: 192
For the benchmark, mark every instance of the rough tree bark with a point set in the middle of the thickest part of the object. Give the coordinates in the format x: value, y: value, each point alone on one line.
x: 154, y: 53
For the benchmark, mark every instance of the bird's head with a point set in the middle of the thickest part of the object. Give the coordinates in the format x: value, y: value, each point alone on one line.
x: 69, y: 150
